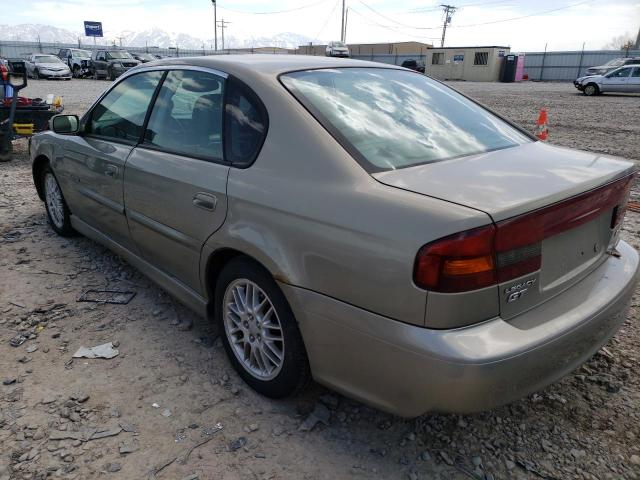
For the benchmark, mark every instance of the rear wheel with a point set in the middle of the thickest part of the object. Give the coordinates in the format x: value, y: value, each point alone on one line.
x: 591, y: 89
x: 260, y: 333
x: 112, y: 75
x: 57, y: 210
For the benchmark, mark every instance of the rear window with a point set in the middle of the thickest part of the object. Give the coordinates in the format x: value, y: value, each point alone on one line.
x: 389, y: 119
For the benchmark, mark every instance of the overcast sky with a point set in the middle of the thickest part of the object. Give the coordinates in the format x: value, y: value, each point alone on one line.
x: 493, y: 22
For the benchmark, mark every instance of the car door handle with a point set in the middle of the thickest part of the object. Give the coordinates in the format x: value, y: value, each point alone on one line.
x: 111, y: 171
x: 205, y: 201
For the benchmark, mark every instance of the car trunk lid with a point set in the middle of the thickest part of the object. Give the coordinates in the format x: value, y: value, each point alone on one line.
x: 556, y: 208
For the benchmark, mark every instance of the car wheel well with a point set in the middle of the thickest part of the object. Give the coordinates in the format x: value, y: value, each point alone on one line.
x: 39, y: 164
x: 216, y: 262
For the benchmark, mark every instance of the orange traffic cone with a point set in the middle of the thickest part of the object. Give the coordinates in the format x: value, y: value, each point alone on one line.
x: 542, y: 132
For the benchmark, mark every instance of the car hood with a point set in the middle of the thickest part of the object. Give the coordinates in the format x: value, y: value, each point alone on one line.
x: 589, y: 77
x: 51, y: 66
x: 508, y: 182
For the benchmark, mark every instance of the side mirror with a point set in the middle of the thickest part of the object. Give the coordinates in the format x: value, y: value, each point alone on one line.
x: 65, y: 124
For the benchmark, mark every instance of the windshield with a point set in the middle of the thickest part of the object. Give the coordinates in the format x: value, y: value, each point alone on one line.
x: 118, y: 54
x: 47, y: 59
x: 337, y: 44
x: 391, y: 119
x: 146, y: 56
x: 616, y: 62
x: 81, y: 54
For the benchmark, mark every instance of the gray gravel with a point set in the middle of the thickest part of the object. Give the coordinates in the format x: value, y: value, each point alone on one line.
x: 53, y: 410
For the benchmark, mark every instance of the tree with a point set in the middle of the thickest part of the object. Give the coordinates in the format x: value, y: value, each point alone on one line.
x: 619, y: 42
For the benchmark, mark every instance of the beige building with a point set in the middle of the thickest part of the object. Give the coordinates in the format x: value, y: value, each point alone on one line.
x: 474, y: 64
x: 397, y: 48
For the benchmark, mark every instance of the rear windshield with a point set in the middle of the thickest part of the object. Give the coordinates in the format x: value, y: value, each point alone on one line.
x: 118, y: 54
x: 389, y: 119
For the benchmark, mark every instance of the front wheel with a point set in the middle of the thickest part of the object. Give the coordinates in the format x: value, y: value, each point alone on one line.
x: 260, y: 332
x: 36, y: 75
x: 591, y: 90
x: 112, y: 75
x: 57, y: 210
x: 76, y: 71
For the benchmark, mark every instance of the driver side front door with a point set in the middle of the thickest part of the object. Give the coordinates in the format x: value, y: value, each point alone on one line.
x: 94, y: 161
x: 616, y: 81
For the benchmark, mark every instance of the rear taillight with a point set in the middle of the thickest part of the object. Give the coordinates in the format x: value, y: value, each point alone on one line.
x: 511, y: 248
x: 460, y: 262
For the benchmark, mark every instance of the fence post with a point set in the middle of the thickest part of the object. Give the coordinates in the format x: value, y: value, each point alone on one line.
x: 544, y: 56
x: 580, y: 64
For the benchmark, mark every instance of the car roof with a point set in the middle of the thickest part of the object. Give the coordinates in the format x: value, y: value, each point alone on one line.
x: 266, y: 64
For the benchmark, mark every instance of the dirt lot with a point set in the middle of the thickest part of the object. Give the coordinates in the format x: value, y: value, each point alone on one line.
x: 171, y: 384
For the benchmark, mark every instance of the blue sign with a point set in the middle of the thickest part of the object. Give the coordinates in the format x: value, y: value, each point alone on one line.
x: 93, y: 29
x: 458, y: 58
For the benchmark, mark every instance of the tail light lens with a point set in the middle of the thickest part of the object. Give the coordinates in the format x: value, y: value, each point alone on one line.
x: 509, y: 249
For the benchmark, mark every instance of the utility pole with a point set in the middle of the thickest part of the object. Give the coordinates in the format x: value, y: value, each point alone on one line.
x: 449, y: 10
x: 223, y: 24
x: 346, y: 19
x: 637, y: 45
x: 342, y: 32
x: 120, y: 40
x: 215, y: 26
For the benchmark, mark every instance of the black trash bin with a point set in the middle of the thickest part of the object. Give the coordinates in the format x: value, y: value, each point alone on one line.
x: 508, y: 70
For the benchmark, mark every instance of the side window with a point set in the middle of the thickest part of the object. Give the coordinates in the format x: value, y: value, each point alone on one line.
x: 624, y: 72
x: 120, y: 114
x: 187, y: 115
x: 100, y: 56
x: 246, y: 124
x: 636, y: 72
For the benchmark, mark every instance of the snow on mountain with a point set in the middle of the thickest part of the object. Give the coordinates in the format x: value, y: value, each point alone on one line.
x: 155, y: 37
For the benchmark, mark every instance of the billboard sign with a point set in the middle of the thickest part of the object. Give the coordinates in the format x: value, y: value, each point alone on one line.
x: 93, y: 29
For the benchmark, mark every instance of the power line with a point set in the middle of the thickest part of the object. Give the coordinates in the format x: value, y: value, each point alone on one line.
x: 395, y: 21
x: 274, y: 12
x: 524, y: 16
x: 390, y: 27
x: 326, y: 21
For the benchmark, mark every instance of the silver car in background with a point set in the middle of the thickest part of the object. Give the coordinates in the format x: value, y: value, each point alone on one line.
x: 612, y: 65
x: 47, y: 66
x: 352, y: 222
x: 621, y: 80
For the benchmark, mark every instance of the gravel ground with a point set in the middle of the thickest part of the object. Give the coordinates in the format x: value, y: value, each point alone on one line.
x: 160, y: 400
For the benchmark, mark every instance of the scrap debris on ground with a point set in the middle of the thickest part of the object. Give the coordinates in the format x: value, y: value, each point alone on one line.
x: 156, y: 409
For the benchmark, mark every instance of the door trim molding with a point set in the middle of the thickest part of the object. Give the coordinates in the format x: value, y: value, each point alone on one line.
x: 164, y: 230
x: 102, y: 200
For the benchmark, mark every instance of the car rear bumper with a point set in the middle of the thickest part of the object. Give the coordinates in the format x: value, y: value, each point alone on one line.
x: 409, y: 370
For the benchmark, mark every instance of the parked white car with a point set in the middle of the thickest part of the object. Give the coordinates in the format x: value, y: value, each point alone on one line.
x: 337, y: 49
x: 624, y: 80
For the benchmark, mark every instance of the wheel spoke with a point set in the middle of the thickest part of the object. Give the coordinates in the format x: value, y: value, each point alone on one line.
x: 257, y: 345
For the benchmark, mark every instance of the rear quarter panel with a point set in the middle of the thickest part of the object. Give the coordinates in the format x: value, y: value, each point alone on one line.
x: 317, y: 220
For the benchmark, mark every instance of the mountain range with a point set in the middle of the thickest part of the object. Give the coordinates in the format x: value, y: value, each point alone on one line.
x: 155, y: 37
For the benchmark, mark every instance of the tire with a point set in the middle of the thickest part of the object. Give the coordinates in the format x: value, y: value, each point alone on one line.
x: 111, y: 75
x: 591, y: 89
x: 279, y: 368
x: 76, y: 71
x: 6, y: 149
x: 58, y: 212
x: 36, y: 74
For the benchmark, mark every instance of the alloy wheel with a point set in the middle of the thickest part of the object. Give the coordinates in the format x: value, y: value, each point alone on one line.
x: 253, y: 329
x: 53, y: 197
